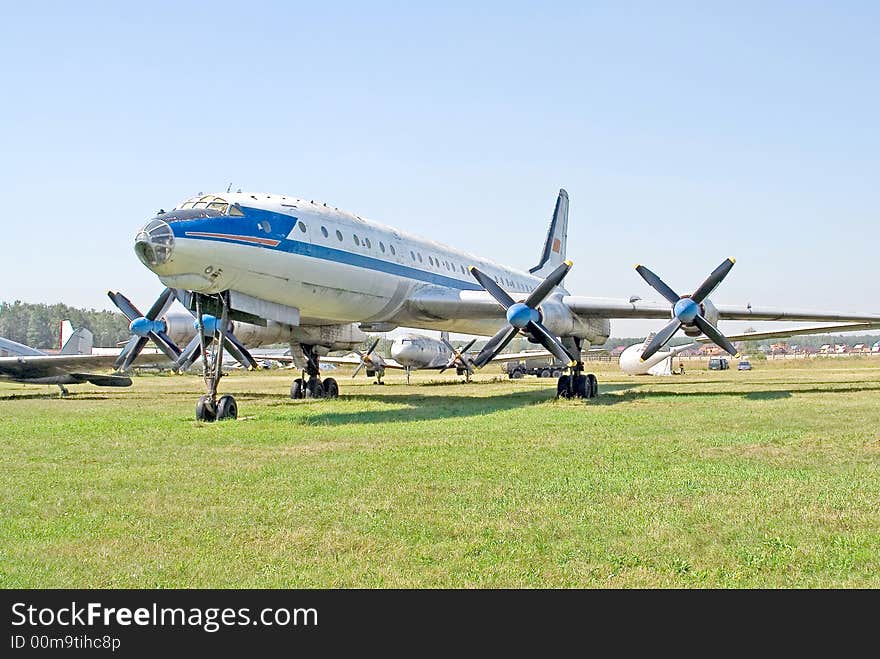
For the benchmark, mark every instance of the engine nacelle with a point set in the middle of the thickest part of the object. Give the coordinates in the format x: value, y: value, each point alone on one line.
x: 254, y: 336
x: 709, y: 312
x: 559, y: 319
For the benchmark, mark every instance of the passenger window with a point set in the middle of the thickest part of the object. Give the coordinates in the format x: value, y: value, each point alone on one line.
x: 324, y: 231
x: 338, y: 235
x: 391, y: 247
x: 367, y: 243
x: 357, y: 241
x: 413, y: 255
x: 382, y: 246
x: 420, y: 258
x: 302, y: 227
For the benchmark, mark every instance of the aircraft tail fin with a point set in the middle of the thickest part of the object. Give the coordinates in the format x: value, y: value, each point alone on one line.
x: 75, y: 342
x: 557, y: 237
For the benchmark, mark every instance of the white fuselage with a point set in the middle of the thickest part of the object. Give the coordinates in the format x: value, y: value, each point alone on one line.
x: 333, y: 266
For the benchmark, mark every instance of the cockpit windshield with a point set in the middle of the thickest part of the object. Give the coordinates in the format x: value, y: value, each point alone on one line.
x: 213, y: 202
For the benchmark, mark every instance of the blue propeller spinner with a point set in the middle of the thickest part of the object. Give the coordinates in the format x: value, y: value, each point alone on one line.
x: 687, y: 310
x: 523, y: 316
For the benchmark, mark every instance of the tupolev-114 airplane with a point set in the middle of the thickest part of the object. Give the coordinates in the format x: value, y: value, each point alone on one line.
x: 328, y: 276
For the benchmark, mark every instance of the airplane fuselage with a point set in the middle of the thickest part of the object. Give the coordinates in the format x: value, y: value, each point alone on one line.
x: 334, y: 267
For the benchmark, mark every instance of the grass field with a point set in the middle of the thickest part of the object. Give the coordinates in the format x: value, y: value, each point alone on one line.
x: 769, y: 478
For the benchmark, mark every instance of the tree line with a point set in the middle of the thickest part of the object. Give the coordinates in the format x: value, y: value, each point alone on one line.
x: 39, y: 325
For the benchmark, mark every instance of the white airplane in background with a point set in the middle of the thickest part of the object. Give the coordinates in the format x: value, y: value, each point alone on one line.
x: 329, y: 276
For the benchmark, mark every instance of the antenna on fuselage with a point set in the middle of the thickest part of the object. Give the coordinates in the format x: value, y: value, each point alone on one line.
x: 229, y: 187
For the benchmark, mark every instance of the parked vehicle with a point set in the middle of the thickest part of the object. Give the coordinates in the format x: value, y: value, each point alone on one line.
x: 543, y: 367
x: 718, y: 364
x: 744, y: 365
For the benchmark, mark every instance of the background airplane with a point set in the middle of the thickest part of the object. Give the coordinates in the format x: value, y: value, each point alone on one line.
x: 329, y: 276
x: 21, y: 363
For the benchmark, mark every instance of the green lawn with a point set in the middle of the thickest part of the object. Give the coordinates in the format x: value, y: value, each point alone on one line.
x: 769, y: 478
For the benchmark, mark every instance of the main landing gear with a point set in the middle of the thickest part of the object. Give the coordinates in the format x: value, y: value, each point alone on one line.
x: 576, y: 384
x: 310, y: 385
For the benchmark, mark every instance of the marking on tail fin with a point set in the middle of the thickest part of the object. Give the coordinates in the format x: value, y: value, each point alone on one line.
x: 557, y: 234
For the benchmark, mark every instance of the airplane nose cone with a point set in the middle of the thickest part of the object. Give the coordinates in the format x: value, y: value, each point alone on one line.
x: 154, y: 243
x: 404, y: 353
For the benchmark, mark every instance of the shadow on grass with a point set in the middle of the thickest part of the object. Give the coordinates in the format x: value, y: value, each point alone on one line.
x: 72, y: 396
x: 423, y: 407
x: 623, y: 393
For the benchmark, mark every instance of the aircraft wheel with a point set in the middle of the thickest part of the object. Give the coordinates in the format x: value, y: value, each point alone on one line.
x: 593, y: 385
x: 296, y: 389
x: 562, y: 387
x: 227, y: 408
x: 582, y: 387
x: 545, y: 373
x: 205, y: 410
x: 331, y: 388
x: 314, y: 389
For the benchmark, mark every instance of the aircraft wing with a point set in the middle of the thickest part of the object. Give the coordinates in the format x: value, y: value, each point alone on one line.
x: 798, y: 331
x: 612, y: 308
x: 351, y: 360
x: 61, y: 369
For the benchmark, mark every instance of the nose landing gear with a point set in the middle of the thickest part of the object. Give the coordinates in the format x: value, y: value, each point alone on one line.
x: 209, y: 407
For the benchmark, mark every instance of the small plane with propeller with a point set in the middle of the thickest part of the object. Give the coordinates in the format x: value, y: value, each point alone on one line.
x: 328, y: 276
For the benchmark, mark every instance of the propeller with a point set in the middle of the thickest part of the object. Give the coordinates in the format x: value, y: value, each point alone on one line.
x: 210, y: 328
x: 149, y: 327
x: 368, y: 360
x: 687, y: 310
x: 522, y: 316
x: 458, y: 359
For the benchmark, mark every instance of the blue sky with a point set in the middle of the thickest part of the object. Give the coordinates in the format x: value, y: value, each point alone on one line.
x: 684, y: 133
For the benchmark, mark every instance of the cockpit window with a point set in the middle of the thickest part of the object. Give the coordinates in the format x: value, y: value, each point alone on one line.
x: 213, y: 202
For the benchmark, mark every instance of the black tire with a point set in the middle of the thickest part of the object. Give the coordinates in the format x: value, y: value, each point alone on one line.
x: 314, y: 389
x: 227, y: 408
x: 582, y: 387
x: 545, y: 373
x: 562, y: 387
x: 331, y: 388
x: 205, y: 410
x: 593, y: 385
x: 556, y: 373
x: 296, y: 389
x: 517, y: 374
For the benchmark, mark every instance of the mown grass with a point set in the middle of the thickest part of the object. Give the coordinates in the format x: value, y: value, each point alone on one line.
x: 769, y: 478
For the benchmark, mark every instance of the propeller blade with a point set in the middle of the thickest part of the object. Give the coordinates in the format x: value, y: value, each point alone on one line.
x: 239, y: 352
x: 190, y: 353
x: 130, y: 346
x: 131, y: 351
x: 124, y: 305
x: 658, y: 284
x: 717, y: 337
x: 373, y: 347
x: 495, y: 345
x: 492, y: 288
x: 161, y: 305
x: 358, y: 369
x: 550, y: 342
x: 545, y: 287
x: 712, y: 281
x: 166, y: 345
x: 661, y: 338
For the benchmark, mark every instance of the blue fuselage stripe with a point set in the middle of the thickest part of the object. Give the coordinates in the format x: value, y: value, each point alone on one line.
x: 281, y: 225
